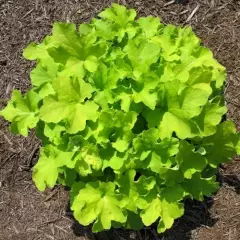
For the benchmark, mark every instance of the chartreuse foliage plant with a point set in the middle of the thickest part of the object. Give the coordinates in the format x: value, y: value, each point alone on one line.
x: 130, y: 114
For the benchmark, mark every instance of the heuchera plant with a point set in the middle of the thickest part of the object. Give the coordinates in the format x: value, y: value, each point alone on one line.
x: 130, y: 114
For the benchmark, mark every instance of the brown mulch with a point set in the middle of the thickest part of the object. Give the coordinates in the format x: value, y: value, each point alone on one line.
x: 25, y: 213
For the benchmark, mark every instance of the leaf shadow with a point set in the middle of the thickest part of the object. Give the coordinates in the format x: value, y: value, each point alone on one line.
x: 232, y: 180
x: 197, y: 214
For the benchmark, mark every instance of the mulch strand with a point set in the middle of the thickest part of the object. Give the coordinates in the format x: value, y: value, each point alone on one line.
x: 25, y: 213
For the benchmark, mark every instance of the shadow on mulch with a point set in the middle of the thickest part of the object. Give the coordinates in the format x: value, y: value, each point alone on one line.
x: 230, y: 179
x: 197, y: 214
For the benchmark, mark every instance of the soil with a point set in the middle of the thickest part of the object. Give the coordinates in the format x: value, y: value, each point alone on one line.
x: 25, y: 213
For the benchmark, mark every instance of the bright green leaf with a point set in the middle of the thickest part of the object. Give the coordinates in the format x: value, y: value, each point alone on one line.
x: 22, y: 112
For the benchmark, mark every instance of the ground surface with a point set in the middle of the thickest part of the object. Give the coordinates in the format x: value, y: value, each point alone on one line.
x: 26, y: 214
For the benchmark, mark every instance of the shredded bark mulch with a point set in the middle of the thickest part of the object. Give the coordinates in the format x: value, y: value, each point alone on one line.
x: 25, y: 213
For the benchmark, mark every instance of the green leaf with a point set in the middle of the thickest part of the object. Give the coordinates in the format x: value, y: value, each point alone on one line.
x: 22, y: 112
x: 128, y: 188
x: 45, y: 172
x: 67, y: 176
x: 73, y: 90
x: 154, y: 117
x: 210, y: 117
x: 73, y: 68
x: 54, y: 132
x: 34, y: 51
x: 182, y: 107
x: 53, y: 110
x: 118, y: 14
x: 98, y: 201
x: 221, y: 146
x: 134, y: 189
x: 149, y: 99
x: 116, y: 162
x: 189, y: 161
x: 118, y: 130
x: 43, y: 73
x: 66, y: 36
x: 91, y: 64
x: 167, y: 211
x: 134, y: 221
x: 149, y: 25
x: 152, y: 212
x: 68, y: 106
x: 90, y: 154
x: 198, y: 187
x: 184, y: 127
x: 173, y: 193
x: 76, y: 187
x: 170, y: 211
x: 46, y: 90
x: 171, y: 176
x: 158, y: 155
x: 79, y: 114
x: 142, y: 56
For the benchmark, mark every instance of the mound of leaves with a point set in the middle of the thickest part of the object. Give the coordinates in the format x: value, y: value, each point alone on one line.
x: 130, y: 114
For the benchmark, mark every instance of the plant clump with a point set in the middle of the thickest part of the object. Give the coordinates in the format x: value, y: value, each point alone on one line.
x: 130, y: 115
